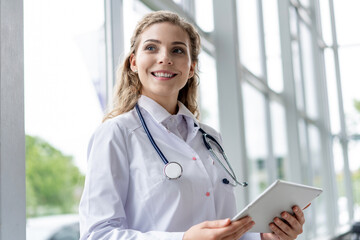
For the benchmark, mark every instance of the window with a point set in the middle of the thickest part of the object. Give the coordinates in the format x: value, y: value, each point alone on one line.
x: 65, y: 96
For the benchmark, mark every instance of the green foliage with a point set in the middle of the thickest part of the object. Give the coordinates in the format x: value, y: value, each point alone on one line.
x: 357, y: 105
x: 53, y: 182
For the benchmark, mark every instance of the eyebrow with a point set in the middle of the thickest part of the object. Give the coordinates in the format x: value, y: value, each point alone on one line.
x: 173, y: 43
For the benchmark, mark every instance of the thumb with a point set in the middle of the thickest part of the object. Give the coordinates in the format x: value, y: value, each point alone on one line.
x: 217, y: 223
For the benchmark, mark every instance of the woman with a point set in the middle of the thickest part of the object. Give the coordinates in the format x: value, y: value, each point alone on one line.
x: 128, y: 193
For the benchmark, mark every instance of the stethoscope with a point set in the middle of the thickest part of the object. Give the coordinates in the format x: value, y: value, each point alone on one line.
x: 173, y: 170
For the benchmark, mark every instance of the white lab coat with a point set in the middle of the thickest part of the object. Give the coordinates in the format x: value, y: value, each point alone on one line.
x: 126, y: 194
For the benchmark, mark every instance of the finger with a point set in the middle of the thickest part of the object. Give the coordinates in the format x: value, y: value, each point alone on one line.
x: 234, y: 227
x: 216, y: 224
x: 294, y: 223
x: 299, y: 214
x: 285, y: 228
x: 277, y: 231
x: 237, y: 225
x: 240, y: 231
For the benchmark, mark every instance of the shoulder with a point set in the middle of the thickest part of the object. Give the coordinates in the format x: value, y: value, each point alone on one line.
x: 124, y: 124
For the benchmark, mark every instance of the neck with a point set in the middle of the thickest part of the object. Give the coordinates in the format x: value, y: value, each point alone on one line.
x: 169, y: 103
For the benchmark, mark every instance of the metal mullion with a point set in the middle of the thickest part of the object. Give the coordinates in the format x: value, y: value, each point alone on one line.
x: 307, y: 175
x: 343, y: 135
x: 301, y: 9
x: 259, y: 84
x: 324, y: 121
x: 230, y: 89
x: 289, y: 93
x: 114, y: 39
x: 271, y: 170
x: 302, y: 80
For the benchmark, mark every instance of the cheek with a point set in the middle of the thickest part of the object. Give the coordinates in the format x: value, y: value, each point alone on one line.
x: 186, y: 64
x: 143, y: 61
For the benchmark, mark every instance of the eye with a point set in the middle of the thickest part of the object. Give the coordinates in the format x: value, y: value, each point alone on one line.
x: 178, y: 50
x: 150, y: 48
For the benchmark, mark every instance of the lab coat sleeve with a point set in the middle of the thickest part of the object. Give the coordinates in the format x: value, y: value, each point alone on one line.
x: 251, y: 236
x: 101, y: 210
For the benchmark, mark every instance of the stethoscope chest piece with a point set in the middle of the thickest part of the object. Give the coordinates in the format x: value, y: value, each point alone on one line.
x: 173, y: 170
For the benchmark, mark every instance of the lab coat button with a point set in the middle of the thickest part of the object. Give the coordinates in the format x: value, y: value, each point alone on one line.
x: 207, y: 194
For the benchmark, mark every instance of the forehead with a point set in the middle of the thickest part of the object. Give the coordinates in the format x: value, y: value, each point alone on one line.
x: 165, y: 32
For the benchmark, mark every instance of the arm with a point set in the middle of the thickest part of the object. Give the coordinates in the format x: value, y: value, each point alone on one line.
x: 102, y: 207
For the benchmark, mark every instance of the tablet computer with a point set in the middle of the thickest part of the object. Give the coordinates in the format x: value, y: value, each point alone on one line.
x: 278, y: 197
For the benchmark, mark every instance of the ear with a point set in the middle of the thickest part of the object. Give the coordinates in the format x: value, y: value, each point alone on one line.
x: 132, y: 61
x: 192, y: 70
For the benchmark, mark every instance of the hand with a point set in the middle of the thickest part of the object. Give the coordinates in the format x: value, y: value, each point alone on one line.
x: 286, y: 230
x: 219, y: 230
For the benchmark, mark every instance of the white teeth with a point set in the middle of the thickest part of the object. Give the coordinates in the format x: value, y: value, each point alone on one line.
x: 162, y: 74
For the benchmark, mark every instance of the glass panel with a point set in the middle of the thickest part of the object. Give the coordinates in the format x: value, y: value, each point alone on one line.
x: 272, y: 42
x: 305, y: 158
x: 325, y: 22
x: 316, y: 167
x: 65, y: 94
x: 332, y: 91
x: 208, y: 91
x: 308, y: 71
x: 347, y: 18
x: 297, y: 75
x: 350, y: 75
x: 256, y: 144
x: 204, y: 15
x: 293, y: 21
x: 279, y: 139
x: 340, y: 181
x: 249, y: 36
x: 354, y: 153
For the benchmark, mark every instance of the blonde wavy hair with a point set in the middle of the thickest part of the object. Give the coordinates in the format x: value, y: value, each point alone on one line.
x: 127, y: 89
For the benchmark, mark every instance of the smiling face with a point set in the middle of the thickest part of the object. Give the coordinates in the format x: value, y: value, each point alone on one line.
x: 162, y: 61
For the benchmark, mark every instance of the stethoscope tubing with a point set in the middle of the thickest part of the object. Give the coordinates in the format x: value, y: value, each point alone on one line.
x: 207, y: 144
x: 162, y: 156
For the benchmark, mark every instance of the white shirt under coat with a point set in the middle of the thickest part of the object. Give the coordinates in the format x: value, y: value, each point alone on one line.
x: 126, y: 194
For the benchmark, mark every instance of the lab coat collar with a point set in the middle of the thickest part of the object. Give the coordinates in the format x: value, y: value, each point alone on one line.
x: 160, y: 114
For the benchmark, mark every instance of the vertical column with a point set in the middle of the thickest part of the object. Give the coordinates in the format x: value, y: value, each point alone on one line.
x: 271, y: 161
x: 324, y: 120
x: 289, y: 93
x: 12, y: 137
x: 343, y: 134
x: 114, y: 35
x: 229, y: 90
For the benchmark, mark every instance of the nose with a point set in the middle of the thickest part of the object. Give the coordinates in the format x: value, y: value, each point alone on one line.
x: 165, y: 58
